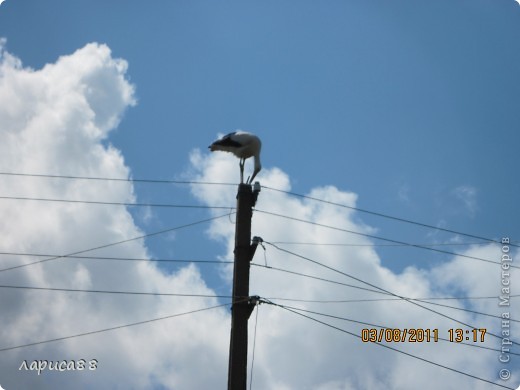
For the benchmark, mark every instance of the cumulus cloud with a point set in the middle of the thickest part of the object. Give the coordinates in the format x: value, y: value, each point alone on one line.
x: 293, y: 352
x: 57, y: 119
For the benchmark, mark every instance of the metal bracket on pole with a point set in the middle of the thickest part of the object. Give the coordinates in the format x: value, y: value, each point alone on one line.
x: 256, y: 240
x: 252, y: 302
x: 256, y: 191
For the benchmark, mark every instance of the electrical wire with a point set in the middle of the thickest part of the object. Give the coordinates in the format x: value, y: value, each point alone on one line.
x: 197, y: 261
x: 392, y: 348
x: 117, y: 292
x: 395, y: 242
x: 386, y: 327
x: 254, y: 349
x: 158, y: 181
x: 372, y: 244
x: 377, y: 287
x: 113, y: 328
x: 316, y: 278
x: 382, y: 215
x: 281, y: 306
x: 384, y: 299
x: 387, y: 216
x: 229, y: 297
x: 423, y: 300
x: 381, y: 238
x: 463, y: 309
x: 115, y: 243
x: 395, y: 300
x: 226, y: 262
x: 119, y: 203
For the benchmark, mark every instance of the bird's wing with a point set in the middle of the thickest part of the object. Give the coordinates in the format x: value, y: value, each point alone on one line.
x: 228, y: 140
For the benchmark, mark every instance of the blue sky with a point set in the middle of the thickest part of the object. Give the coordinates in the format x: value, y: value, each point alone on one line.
x: 411, y: 108
x: 401, y: 103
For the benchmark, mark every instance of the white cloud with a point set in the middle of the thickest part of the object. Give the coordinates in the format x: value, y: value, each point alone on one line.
x: 294, y: 353
x: 54, y: 120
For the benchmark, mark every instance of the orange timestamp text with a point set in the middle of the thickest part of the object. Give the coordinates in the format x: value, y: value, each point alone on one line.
x: 420, y: 335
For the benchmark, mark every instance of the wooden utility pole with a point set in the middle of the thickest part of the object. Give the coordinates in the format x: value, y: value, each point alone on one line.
x: 242, y: 307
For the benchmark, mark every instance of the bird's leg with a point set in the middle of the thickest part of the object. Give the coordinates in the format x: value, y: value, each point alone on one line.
x: 250, y: 180
x: 242, y: 161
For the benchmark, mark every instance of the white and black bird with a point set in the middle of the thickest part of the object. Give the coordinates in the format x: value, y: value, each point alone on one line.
x: 243, y: 145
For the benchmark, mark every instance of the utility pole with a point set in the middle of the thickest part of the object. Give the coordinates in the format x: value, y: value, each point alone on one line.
x: 242, y: 305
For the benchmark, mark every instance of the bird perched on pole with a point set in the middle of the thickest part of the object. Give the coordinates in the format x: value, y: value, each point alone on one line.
x: 243, y: 145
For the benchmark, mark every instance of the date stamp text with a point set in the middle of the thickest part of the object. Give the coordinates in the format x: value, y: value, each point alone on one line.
x: 420, y: 335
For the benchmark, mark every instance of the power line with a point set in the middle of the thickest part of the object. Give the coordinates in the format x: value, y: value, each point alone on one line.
x: 392, y: 348
x: 388, y: 216
x: 372, y: 244
x: 226, y: 262
x: 229, y: 297
x: 278, y: 248
x: 115, y: 243
x: 424, y: 300
x: 395, y: 242
x: 382, y: 215
x: 365, y: 289
x: 208, y: 296
x: 464, y: 309
x: 254, y: 349
x: 113, y: 328
x: 116, y: 179
x: 377, y: 287
x: 119, y: 203
x: 386, y: 327
x: 381, y: 238
x: 316, y: 278
x: 117, y: 292
x: 197, y: 261
x: 167, y: 205
x: 384, y: 299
